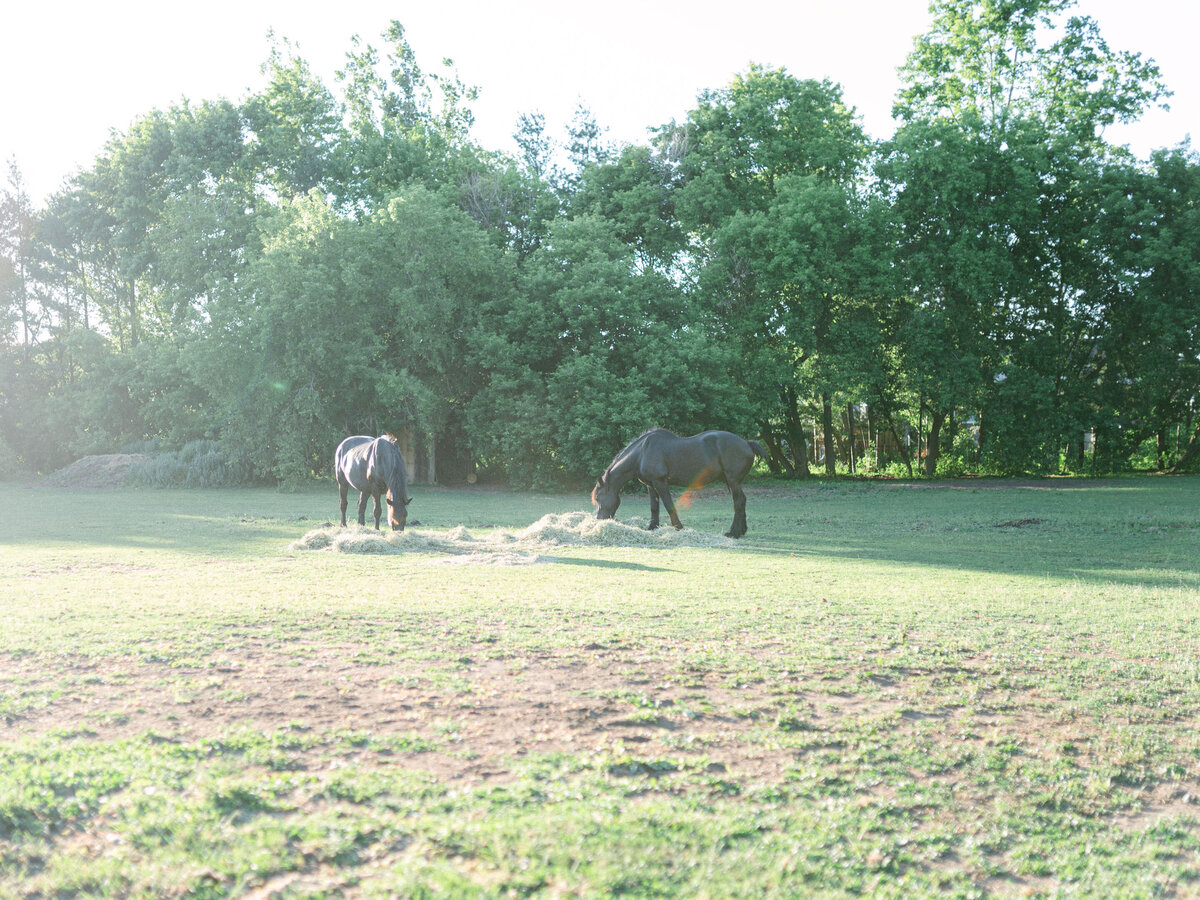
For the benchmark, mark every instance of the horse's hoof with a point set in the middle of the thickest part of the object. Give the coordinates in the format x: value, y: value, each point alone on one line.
x: 653, y: 526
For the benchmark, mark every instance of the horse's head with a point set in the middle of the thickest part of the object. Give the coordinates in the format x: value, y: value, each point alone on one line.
x: 397, y: 511
x: 606, y: 498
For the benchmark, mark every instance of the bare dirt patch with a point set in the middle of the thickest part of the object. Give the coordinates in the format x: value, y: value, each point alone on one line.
x: 103, y: 471
x: 472, y: 718
x: 479, y: 714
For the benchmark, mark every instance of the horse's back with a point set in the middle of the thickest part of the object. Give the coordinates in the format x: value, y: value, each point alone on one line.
x: 701, y: 457
x: 350, y: 459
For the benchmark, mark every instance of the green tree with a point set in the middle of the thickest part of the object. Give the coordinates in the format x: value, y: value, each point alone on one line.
x: 403, y: 125
x: 1003, y: 112
x: 634, y: 192
x: 769, y: 162
x: 1148, y: 354
x: 362, y: 325
x: 18, y: 310
x: 590, y: 350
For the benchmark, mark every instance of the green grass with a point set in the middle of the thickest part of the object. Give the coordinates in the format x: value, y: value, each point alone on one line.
x: 887, y: 689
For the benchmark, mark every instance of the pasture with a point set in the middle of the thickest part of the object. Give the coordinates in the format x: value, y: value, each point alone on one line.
x: 970, y: 689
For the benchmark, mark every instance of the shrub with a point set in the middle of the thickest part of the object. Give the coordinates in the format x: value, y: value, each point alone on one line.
x: 10, y: 463
x: 198, y: 464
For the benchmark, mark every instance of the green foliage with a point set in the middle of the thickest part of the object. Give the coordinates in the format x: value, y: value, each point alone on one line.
x: 198, y: 464
x: 991, y: 64
x: 10, y: 463
x: 589, y: 351
x: 309, y: 261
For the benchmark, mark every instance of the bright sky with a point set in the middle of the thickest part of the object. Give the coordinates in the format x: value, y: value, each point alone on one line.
x: 71, y: 72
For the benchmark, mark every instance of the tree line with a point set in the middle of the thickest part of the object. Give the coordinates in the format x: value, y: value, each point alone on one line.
x: 994, y: 288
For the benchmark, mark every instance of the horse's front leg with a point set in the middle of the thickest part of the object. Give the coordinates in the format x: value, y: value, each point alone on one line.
x: 343, y: 490
x: 378, y: 507
x: 663, y: 490
x: 653, y: 506
x: 362, y: 508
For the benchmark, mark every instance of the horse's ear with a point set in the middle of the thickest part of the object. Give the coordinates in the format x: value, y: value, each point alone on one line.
x: 408, y: 501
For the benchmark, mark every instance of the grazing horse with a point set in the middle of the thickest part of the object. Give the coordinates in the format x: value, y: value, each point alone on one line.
x: 373, y: 466
x: 659, y: 458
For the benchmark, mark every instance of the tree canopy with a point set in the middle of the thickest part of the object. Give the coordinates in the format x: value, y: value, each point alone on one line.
x: 993, y: 288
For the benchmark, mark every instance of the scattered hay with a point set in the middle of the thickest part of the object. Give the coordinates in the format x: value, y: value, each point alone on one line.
x: 103, y: 471
x: 583, y: 528
x: 460, y: 547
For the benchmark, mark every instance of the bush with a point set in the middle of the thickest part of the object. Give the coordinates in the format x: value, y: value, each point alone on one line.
x: 10, y: 463
x: 198, y: 464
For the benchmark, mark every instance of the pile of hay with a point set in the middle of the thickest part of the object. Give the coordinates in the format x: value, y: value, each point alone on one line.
x: 503, y: 547
x: 104, y: 471
x: 458, y: 545
x: 584, y: 529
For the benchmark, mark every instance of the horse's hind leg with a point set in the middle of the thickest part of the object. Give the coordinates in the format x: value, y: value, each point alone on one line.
x: 362, y: 508
x: 739, y: 511
x: 343, y: 490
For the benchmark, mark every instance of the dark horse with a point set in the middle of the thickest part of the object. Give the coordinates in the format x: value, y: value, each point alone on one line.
x: 659, y: 459
x: 373, y: 466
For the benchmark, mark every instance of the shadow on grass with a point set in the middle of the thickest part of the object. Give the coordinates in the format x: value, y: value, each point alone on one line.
x: 1097, y: 561
x: 602, y: 563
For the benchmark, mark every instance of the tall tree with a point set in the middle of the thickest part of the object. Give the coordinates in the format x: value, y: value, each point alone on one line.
x: 588, y: 351
x: 403, y: 124
x: 1150, y: 346
x: 768, y: 133
x: 1003, y: 107
x: 17, y: 224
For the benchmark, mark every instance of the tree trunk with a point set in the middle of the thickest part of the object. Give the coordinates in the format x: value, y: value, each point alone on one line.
x: 777, y: 460
x: 937, y: 418
x: 979, y: 437
x: 850, y: 455
x: 133, y: 315
x: 1191, y: 453
x: 830, y: 444
x: 899, y: 443
x: 796, y: 438
x: 872, y: 433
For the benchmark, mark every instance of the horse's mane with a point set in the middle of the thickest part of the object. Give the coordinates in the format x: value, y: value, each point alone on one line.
x: 396, y: 474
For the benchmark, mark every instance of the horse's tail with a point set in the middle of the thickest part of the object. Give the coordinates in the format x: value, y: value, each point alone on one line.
x: 757, y: 448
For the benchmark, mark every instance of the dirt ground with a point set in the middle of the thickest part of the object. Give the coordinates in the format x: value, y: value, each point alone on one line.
x: 496, y: 711
x: 483, y: 714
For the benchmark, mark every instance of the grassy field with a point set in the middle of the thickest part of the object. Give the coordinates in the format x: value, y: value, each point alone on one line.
x: 970, y: 689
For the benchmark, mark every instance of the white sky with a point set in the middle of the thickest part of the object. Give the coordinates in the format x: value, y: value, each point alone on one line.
x: 71, y: 72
